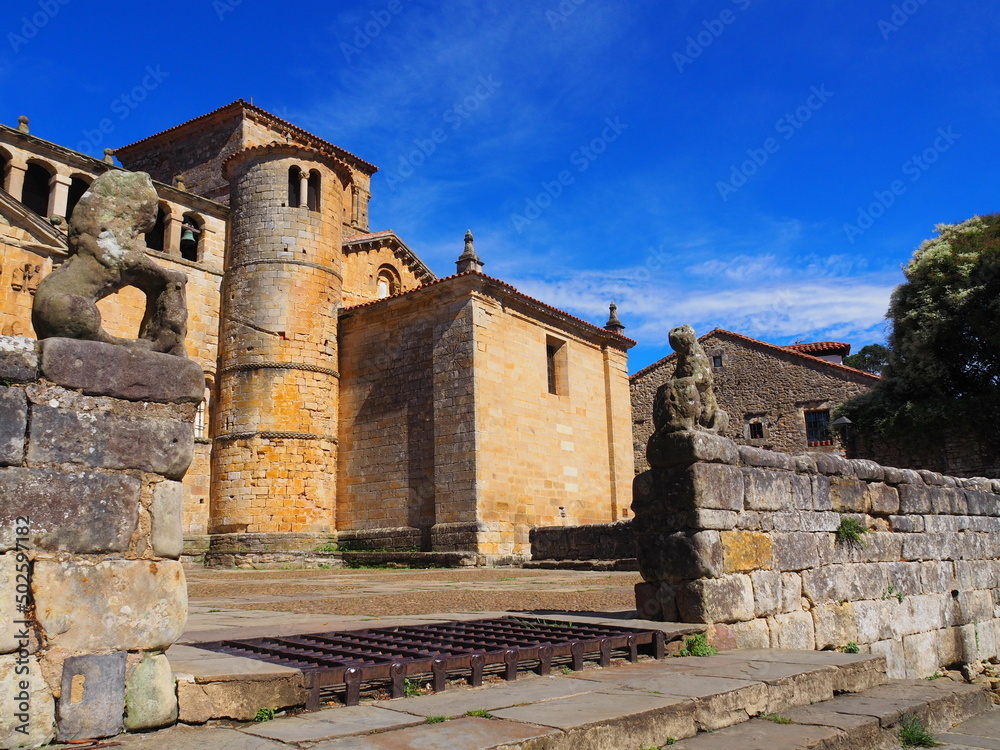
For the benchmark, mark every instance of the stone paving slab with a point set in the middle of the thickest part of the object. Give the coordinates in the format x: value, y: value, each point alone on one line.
x: 760, y: 734
x: 788, y: 684
x: 333, y: 723
x: 209, y: 666
x: 492, y: 697
x: 982, y: 731
x: 183, y: 737
x: 459, y: 734
x: 609, y: 719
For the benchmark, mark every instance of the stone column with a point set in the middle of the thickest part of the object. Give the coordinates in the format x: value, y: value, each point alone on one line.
x: 172, y: 234
x: 94, y: 442
x: 304, y: 189
x: 59, y: 195
x: 15, y: 180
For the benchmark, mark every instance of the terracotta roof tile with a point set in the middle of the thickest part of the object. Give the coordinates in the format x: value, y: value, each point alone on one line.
x: 836, y: 347
x: 241, y: 103
x: 784, y: 349
x: 624, y: 339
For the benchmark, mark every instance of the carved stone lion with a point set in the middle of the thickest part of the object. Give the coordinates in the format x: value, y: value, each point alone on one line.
x: 687, y: 401
x: 107, y: 253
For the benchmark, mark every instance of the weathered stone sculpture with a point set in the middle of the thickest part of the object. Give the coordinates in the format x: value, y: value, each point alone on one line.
x: 685, y: 405
x: 687, y: 401
x: 106, y: 253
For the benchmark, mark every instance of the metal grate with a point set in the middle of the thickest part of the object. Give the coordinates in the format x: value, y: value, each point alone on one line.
x: 343, y: 661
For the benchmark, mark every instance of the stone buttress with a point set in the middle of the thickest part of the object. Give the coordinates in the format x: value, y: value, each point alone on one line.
x: 275, y: 452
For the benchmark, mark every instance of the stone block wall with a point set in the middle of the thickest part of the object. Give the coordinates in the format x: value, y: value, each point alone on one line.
x: 756, y: 383
x: 746, y: 541
x: 596, y: 541
x: 94, y: 440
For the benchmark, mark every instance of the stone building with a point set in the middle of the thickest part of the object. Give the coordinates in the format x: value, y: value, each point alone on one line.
x: 778, y: 397
x: 352, y: 394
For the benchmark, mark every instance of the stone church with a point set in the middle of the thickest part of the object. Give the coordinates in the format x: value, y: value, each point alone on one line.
x: 352, y: 395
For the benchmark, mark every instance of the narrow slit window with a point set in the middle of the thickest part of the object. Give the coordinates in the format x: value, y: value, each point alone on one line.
x: 717, y: 360
x: 555, y: 363
x: 756, y: 431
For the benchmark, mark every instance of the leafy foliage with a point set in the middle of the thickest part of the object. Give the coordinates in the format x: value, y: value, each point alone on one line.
x: 871, y: 358
x: 851, y: 532
x: 264, y: 714
x: 851, y: 647
x: 943, y: 363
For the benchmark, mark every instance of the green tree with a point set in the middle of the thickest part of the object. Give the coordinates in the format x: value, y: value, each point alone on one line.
x: 944, y: 347
x: 871, y: 358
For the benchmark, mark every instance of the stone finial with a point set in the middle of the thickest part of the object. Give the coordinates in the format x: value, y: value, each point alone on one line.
x: 109, y: 156
x: 179, y: 182
x: 468, y: 260
x: 22, y: 124
x: 107, y: 253
x: 614, y: 324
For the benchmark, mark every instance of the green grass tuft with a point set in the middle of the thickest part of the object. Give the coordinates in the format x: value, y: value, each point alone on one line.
x: 697, y: 645
x: 264, y: 714
x: 435, y: 719
x: 851, y: 648
x: 482, y: 713
x: 776, y: 719
x: 914, y: 733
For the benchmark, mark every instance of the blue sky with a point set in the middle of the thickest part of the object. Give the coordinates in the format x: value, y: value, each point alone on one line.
x: 759, y: 165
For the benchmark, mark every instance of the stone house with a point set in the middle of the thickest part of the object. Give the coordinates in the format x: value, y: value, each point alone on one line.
x: 352, y: 394
x: 778, y: 397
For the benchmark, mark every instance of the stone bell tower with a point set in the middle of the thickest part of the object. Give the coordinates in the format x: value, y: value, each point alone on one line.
x: 275, y: 453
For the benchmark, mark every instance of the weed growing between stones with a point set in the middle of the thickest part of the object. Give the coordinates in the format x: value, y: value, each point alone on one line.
x: 776, y: 719
x: 482, y: 713
x: 851, y: 648
x: 264, y: 714
x: 410, y: 688
x: 435, y: 719
x: 697, y: 645
x: 893, y: 593
x: 914, y: 733
x: 851, y: 532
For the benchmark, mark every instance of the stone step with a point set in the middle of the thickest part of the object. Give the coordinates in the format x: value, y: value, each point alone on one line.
x: 869, y: 720
x: 627, y: 706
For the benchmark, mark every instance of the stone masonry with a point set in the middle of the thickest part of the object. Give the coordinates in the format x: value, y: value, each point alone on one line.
x: 94, y: 441
x: 759, y: 383
x: 746, y: 541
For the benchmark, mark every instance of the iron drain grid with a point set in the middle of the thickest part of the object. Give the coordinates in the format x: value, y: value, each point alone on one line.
x: 344, y: 661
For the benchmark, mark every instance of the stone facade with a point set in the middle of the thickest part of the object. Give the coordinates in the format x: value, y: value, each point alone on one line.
x: 90, y: 536
x: 746, y: 541
x: 452, y: 439
x: 296, y: 309
x: 767, y: 391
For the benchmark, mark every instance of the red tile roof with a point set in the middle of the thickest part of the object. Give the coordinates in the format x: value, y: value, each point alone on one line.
x: 629, y: 343
x: 833, y: 347
x: 423, y: 270
x: 783, y: 349
x: 242, y: 104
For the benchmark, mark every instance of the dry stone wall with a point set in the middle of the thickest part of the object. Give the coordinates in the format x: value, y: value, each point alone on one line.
x: 746, y: 541
x: 94, y: 440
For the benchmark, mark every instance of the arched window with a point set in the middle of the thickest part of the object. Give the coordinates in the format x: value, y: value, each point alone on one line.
x: 312, y: 200
x: 77, y: 188
x: 192, y: 236
x: 203, y: 417
x: 387, y: 282
x: 156, y: 237
x: 35, y: 194
x: 294, y: 187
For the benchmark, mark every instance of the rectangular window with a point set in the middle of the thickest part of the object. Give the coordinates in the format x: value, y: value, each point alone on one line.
x: 555, y: 361
x: 756, y: 431
x: 717, y: 360
x: 818, y: 427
